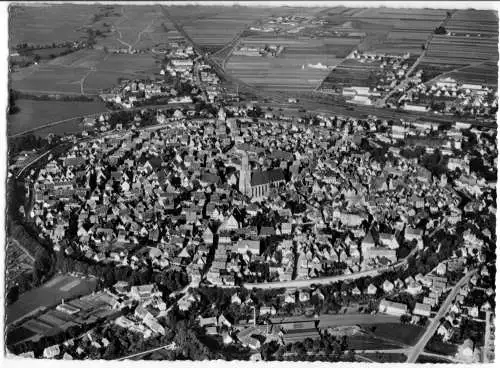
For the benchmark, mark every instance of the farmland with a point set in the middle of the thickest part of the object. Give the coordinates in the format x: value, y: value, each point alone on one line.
x: 82, y: 72
x: 88, y: 71
x: 291, y: 70
x: 33, y: 114
x: 47, y: 24
x: 471, y: 46
x: 49, y: 294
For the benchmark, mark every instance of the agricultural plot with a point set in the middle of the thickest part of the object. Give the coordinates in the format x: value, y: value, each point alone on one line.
x: 49, y: 294
x: 85, y: 71
x: 33, y: 114
x: 483, y: 73
x: 134, y: 28
x: 215, y: 31
x: 46, y: 78
x: 302, y: 65
x: 472, y: 41
x: 352, y: 73
x: 43, y: 24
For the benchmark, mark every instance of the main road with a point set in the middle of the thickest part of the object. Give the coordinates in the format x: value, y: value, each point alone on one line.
x: 328, y: 279
x: 433, y: 326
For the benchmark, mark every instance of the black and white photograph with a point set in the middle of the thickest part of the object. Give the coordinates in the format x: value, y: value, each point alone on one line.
x: 250, y: 181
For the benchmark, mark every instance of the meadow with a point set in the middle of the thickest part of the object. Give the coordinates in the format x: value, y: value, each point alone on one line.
x: 42, y: 24
x: 33, y: 114
x: 83, y: 72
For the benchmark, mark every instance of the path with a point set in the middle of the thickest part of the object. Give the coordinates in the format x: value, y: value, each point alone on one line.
x: 119, y: 39
x: 435, y: 322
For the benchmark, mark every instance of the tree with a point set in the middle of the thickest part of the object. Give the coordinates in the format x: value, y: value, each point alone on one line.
x: 42, y: 266
x: 405, y: 319
x: 440, y: 30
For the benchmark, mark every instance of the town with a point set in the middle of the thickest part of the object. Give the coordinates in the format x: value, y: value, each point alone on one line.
x: 190, y: 223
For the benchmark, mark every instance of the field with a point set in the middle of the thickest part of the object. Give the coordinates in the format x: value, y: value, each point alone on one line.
x: 33, y: 114
x: 471, y: 46
x: 48, y: 294
x: 290, y: 70
x: 88, y: 71
x: 386, y: 357
x: 479, y: 73
x: 404, y: 334
x: 431, y: 359
x: 83, y: 72
x: 364, y: 342
x: 41, y: 24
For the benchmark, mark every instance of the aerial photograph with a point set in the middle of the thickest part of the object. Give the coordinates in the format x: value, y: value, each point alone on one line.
x: 251, y: 182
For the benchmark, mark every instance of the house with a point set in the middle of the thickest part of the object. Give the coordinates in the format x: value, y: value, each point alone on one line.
x: 229, y: 224
x: 144, y: 292
x: 441, y: 269
x: 422, y: 310
x: 414, y: 234
x: 253, y: 246
x: 304, y: 296
x: 389, y: 241
x: 267, y: 310
x: 51, y: 352
x: 387, y: 286
x: 414, y: 288
x: 445, y: 330
x: 371, y: 289
x: 392, y: 308
x: 235, y: 299
x: 209, y: 321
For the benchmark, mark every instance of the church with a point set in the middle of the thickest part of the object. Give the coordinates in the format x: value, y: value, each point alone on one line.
x: 257, y: 184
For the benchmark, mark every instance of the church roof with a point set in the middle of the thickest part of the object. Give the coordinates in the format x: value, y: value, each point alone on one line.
x: 267, y: 177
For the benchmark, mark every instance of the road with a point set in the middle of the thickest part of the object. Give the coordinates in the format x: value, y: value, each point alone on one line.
x: 18, y: 175
x: 328, y: 279
x: 433, y: 326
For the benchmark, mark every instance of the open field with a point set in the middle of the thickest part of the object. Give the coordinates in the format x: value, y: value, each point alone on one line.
x: 365, y: 342
x: 48, y: 24
x: 471, y: 44
x: 386, y: 357
x: 481, y: 73
x: 33, y: 114
x: 49, y: 294
x: 290, y: 70
x: 404, y: 334
x: 83, y: 72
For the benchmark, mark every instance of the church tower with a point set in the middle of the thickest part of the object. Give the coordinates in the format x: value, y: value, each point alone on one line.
x: 245, y: 176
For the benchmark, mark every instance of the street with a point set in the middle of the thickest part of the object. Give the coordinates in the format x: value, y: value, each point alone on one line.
x: 435, y: 322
